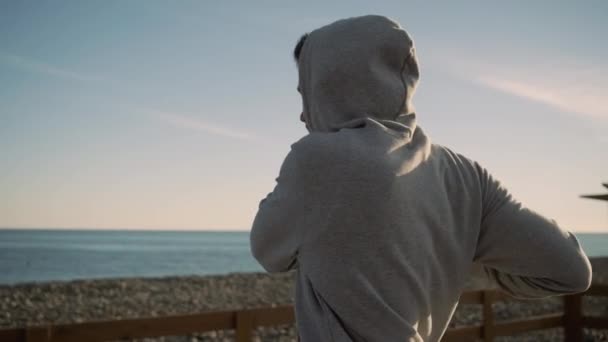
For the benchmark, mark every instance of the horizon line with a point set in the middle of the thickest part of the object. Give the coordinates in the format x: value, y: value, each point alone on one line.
x: 132, y: 229
x: 241, y: 230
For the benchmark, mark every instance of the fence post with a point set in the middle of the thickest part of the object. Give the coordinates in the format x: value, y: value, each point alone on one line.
x: 573, y: 318
x: 244, y: 326
x: 488, y: 316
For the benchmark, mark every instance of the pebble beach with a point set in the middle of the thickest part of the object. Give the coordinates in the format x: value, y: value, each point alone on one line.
x: 112, y: 299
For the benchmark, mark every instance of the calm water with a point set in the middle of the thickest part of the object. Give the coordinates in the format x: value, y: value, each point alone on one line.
x: 41, y: 255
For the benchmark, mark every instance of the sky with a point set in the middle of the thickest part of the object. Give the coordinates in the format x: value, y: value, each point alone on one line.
x: 178, y: 114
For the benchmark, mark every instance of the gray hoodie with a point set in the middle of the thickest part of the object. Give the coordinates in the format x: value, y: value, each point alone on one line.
x: 383, y: 226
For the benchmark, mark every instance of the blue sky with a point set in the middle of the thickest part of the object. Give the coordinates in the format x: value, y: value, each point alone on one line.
x: 177, y: 115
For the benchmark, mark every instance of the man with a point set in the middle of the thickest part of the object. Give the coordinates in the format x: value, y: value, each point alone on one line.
x: 382, y: 225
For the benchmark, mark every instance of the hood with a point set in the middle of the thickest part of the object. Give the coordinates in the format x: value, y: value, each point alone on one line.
x: 356, y: 69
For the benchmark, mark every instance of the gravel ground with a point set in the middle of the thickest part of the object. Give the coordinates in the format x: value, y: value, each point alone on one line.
x: 110, y: 299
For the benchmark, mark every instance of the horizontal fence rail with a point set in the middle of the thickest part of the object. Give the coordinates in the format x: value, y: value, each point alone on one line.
x: 245, y: 321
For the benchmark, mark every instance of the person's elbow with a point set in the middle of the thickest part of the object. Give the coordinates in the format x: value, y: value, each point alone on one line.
x: 269, y: 259
x: 263, y: 256
x: 574, y: 277
x: 273, y: 253
x: 576, y: 267
x: 580, y: 276
x: 260, y: 251
x: 571, y: 279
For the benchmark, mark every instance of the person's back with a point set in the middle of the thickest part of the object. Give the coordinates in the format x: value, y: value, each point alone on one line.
x: 383, y: 226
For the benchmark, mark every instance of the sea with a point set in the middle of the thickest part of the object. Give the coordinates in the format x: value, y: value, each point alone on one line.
x: 41, y: 255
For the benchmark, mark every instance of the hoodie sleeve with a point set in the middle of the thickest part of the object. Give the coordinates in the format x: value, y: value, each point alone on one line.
x: 280, y: 222
x: 524, y: 253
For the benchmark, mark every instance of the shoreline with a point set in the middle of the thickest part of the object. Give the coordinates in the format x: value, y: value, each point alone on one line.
x: 597, y: 262
x: 57, y: 302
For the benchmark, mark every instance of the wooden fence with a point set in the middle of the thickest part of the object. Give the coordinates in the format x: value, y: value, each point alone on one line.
x: 572, y: 319
x: 244, y: 322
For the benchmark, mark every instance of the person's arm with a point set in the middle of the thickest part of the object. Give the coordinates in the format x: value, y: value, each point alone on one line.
x: 524, y: 253
x: 280, y: 223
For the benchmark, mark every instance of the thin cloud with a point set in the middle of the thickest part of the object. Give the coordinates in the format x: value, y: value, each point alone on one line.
x: 32, y: 65
x: 176, y: 120
x: 181, y: 121
x: 570, y: 86
x: 568, y: 96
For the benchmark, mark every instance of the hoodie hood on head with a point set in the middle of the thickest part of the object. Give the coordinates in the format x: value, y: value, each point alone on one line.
x: 358, y: 68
